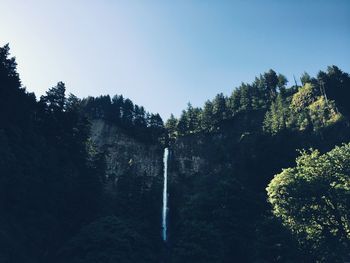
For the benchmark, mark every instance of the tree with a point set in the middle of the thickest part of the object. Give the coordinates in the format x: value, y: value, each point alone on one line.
x: 313, y: 201
x: 276, y: 118
x: 55, y: 98
x: 336, y: 86
x: 8, y: 70
x: 117, y: 105
x: 323, y: 113
x: 73, y: 103
x: 182, y: 124
x: 170, y: 125
x: 207, y: 116
x: 282, y: 81
x: 305, y: 78
x: 245, y: 97
x: 16, y: 105
x: 266, y: 89
x: 128, y: 113
x: 271, y: 82
x: 219, y: 108
x: 156, y: 126
x: 140, y: 118
x: 309, y: 107
x: 234, y: 101
x: 193, y: 119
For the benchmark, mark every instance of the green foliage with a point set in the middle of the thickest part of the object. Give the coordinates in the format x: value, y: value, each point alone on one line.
x: 247, y: 97
x: 313, y: 201
x: 57, y: 205
x: 207, y: 116
x: 323, y: 113
x: 55, y: 98
x: 309, y: 108
x: 133, y: 119
x: 171, y: 125
x: 305, y: 110
x: 48, y: 183
x: 305, y: 78
x: 219, y: 108
x: 276, y: 119
x: 282, y: 81
x: 335, y: 85
x: 305, y: 96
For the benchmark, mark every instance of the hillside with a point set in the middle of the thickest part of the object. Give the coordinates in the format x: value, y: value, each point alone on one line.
x: 81, y: 179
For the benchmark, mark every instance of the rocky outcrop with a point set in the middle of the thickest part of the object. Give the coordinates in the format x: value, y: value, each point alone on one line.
x: 123, y: 151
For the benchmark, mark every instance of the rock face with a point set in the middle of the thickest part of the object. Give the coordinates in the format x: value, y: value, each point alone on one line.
x: 186, y: 157
x: 123, y: 151
x: 203, y: 153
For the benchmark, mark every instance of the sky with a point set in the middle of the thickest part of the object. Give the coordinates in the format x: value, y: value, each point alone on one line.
x: 164, y: 54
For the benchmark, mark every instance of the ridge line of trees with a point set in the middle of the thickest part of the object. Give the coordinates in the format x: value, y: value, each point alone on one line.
x: 318, y: 103
x: 134, y: 119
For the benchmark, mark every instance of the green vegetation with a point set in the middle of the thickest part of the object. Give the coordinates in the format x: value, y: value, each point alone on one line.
x: 133, y: 119
x: 219, y: 212
x: 313, y: 201
x: 308, y: 107
x: 57, y: 205
x: 52, y: 181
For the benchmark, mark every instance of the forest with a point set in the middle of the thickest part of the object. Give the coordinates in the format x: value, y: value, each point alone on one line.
x: 273, y: 184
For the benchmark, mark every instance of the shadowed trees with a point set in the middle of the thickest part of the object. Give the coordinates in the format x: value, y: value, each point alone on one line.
x: 132, y: 118
x: 56, y: 205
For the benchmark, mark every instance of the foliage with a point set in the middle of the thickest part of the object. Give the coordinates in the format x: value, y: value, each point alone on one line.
x: 305, y: 110
x: 52, y: 179
x: 336, y: 86
x: 310, y: 107
x: 248, y: 97
x: 57, y: 205
x: 48, y: 184
x: 124, y: 113
x: 313, y: 200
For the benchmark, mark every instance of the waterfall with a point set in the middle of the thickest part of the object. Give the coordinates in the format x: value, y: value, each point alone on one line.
x: 165, y: 195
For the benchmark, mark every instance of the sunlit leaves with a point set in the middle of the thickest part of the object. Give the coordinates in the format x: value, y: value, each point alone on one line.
x: 313, y: 200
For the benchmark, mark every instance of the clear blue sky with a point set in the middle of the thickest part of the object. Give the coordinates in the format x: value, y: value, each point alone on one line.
x: 163, y: 54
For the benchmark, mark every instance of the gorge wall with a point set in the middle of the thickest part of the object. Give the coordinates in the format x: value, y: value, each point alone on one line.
x: 124, y: 152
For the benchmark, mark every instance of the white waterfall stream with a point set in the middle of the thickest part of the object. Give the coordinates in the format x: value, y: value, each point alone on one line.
x: 165, y: 195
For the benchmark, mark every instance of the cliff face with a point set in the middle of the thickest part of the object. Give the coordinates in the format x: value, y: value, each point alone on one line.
x: 186, y: 157
x: 204, y: 153
x: 124, y: 152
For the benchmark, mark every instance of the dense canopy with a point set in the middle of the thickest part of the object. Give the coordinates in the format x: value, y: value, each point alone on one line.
x: 58, y: 204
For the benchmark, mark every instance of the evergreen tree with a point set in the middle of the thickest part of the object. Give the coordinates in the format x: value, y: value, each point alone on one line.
x: 305, y: 78
x: 193, y: 119
x: 55, y: 98
x: 128, y: 113
x: 208, y: 117
x: 182, y: 125
x: 245, y: 97
x: 234, y: 101
x: 282, y: 81
x: 277, y: 117
x: 117, y: 106
x: 335, y: 85
x: 171, y: 126
x: 219, y: 108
